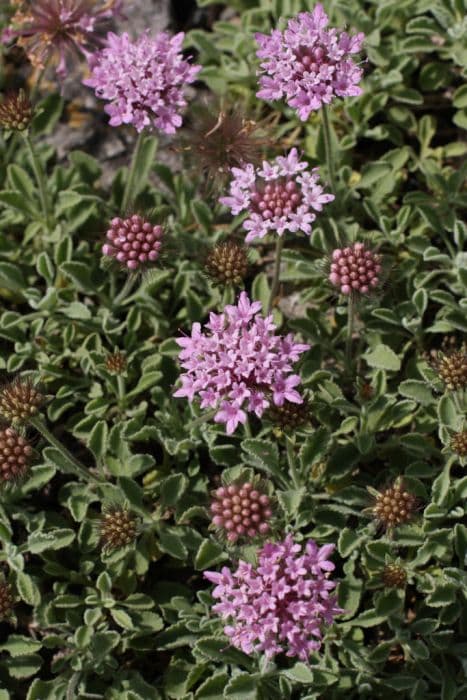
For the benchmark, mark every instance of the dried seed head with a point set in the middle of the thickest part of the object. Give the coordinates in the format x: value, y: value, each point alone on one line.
x: 227, y: 263
x: 459, y: 443
x: 118, y: 527
x: 16, y: 111
x: 7, y: 600
x: 394, y: 576
x: 355, y: 269
x: 220, y: 141
x: 15, y: 456
x: 134, y: 242
x: 20, y: 401
x: 116, y: 362
x: 451, y: 366
x: 394, y: 505
x: 241, y: 511
x: 290, y: 416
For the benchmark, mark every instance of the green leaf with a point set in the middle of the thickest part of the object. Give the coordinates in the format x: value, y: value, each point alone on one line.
x: 314, y: 447
x: 80, y: 274
x: 98, y: 439
x: 172, y: 489
x: 48, y: 113
x: 27, y: 589
x: 242, y: 687
x: 21, y: 181
x: 209, y: 554
x: 263, y: 455
x: 11, y: 277
x: 18, y: 645
x: 301, y: 673
x: 144, y: 162
x: 170, y: 542
x: 382, y: 357
x: 213, y: 688
x: 202, y: 214
x: 52, y: 540
x: 417, y: 390
x: 291, y: 500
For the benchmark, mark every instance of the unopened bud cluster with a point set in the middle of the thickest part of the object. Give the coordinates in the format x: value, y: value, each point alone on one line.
x: 118, y: 528
x: 290, y: 416
x: 451, y: 367
x: 241, y: 511
x: 133, y: 242
x: 394, y: 505
x: 20, y: 401
x: 15, y: 455
x: 459, y: 443
x: 7, y: 600
x: 394, y: 576
x: 227, y: 263
x: 16, y: 111
x: 355, y: 269
x: 116, y: 363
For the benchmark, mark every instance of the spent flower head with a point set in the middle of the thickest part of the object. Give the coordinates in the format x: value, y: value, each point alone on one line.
x: 134, y: 242
x: 280, y: 605
x: 16, y: 111
x: 59, y: 30
x: 15, y: 456
x: 20, y: 401
x: 279, y: 196
x: 355, y: 270
x: 241, y: 511
x: 307, y: 64
x: 239, y: 364
x: 143, y: 80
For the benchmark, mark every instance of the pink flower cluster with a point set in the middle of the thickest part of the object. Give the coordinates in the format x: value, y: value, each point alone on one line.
x: 59, y: 29
x: 134, y: 242
x: 143, y: 80
x: 355, y: 269
x: 241, y: 510
x: 279, y: 196
x: 308, y: 64
x: 281, y: 604
x: 239, y: 364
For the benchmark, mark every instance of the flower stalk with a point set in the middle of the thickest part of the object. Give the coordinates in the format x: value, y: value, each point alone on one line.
x: 290, y: 449
x: 277, y: 271
x: 129, y: 193
x: 40, y: 180
x: 328, y: 147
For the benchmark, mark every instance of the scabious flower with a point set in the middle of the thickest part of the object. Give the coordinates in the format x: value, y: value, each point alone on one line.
x: 143, y: 80
x: 239, y: 364
x: 355, y: 269
x: 279, y: 196
x: 241, y: 510
x: 282, y: 604
x: 59, y: 30
x: 134, y: 242
x: 307, y: 64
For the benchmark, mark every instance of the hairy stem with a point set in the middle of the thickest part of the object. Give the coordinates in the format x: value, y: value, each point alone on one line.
x: 40, y: 180
x: 125, y: 290
x: 75, y: 465
x: 350, y: 326
x: 128, y: 194
x: 276, y: 275
x: 290, y: 449
x: 328, y: 148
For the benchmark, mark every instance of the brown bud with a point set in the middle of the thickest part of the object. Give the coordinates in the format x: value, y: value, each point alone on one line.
x: 459, y: 443
x: 7, y: 600
x: 116, y: 363
x: 451, y: 366
x: 290, y: 416
x: 227, y: 263
x: 394, y: 576
x: 394, y: 505
x: 16, y: 111
x: 20, y: 401
x: 118, y: 527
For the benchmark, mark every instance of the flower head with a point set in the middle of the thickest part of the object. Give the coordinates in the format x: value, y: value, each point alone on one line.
x: 307, y: 64
x: 134, y: 242
x: 227, y: 263
x: 279, y: 196
x: 241, y: 511
x: 238, y: 364
x: 142, y: 80
x: 15, y: 456
x: 59, y: 29
x: 7, y: 599
x: 116, y: 362
x: 355, y: 269
x: 118, y: 527
x: 282, y: 604
x: 19, y: 401
x: 16, y: 111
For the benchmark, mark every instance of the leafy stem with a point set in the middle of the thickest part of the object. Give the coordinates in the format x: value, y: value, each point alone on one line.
x: 328, y: 147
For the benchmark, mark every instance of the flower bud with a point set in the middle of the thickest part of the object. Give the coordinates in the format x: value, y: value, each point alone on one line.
x: 251, y: 509
x: 20, y: 401
x: 459, y: 443
x: 15, y: 455
x: 227, y: 263
x: 118, y: 528
x: 394, y: 576
x: 7, y: 600
x: 16, y: 111
x: 394, y: 505
x: 116, y: 363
